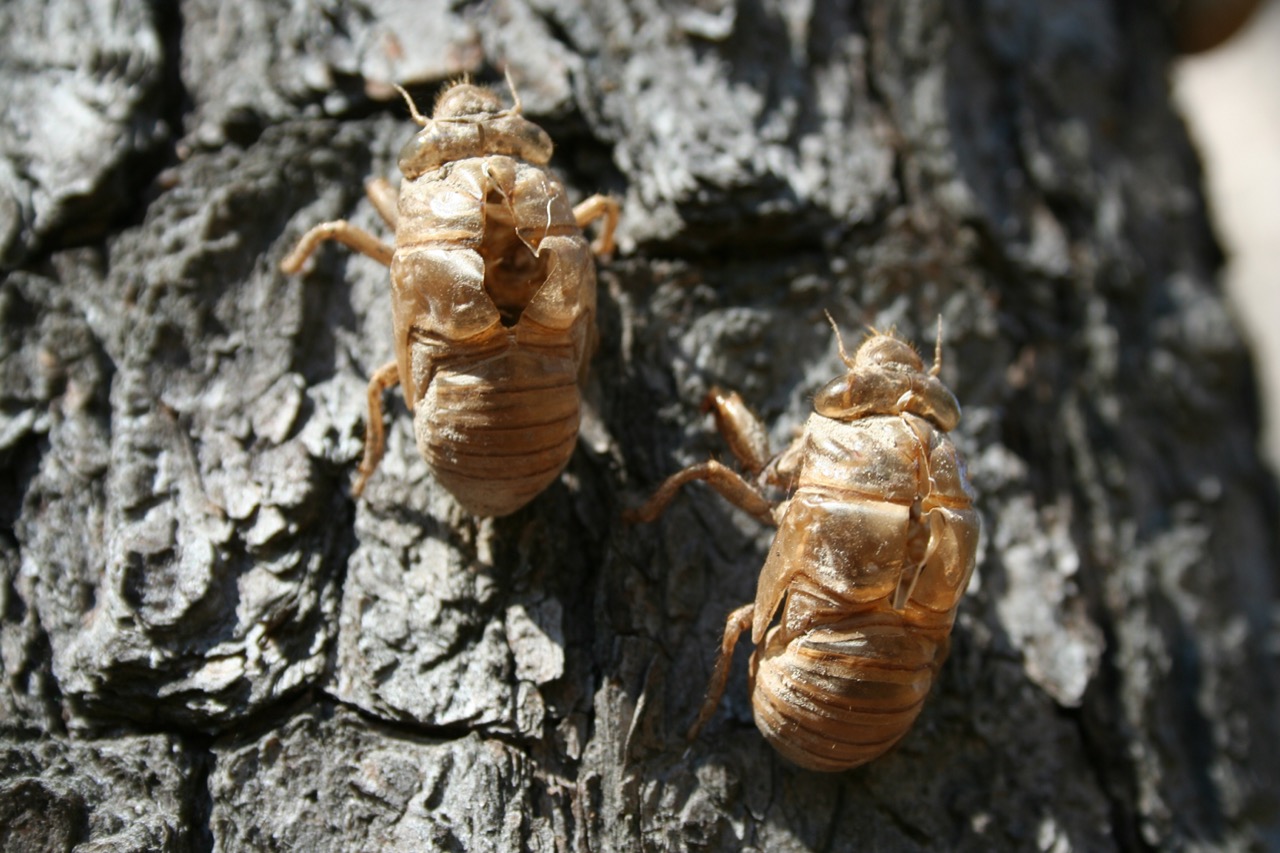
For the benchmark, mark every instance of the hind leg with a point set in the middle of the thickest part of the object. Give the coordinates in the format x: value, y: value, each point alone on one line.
x: 375, y: 444
x: 739, y: 622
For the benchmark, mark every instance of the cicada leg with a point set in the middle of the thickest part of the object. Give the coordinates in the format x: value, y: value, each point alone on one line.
x: 339, y: 231
x: 385, y: 199
x: 387, y: 376
x: 724, y: 480
x: 748, y: 442
x: 594, y: 208
x: 746, y: 436
x: 739, y: 621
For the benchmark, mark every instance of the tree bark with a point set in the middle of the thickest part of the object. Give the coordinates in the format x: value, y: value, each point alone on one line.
x: 207, y: 644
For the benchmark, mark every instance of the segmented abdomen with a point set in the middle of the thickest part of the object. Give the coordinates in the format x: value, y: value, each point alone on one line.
x: 840, y: 696
x: 498, y: 430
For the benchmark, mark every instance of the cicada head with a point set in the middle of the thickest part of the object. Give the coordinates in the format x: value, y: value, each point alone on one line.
x: 470, y: 121
x: 467, y: 100
x: 886, y: 377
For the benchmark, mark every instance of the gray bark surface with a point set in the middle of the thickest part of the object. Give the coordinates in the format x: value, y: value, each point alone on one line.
x: 207, y: 644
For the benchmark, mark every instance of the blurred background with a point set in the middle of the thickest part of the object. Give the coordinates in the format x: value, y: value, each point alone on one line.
x: 1230, y: 97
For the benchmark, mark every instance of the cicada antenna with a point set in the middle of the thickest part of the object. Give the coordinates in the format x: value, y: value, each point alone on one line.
x: 844, y: 355
x: 937, y: 351
x: 413, y: 108
x: 515, y: 96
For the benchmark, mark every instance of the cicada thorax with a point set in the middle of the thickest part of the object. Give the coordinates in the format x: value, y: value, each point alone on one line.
x: 494, y: 296
x: 873, y: 552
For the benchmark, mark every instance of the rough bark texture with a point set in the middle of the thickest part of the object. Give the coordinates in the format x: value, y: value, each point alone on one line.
x: 206, y: 644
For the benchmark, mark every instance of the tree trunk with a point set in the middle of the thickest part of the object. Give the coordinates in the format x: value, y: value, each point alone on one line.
x: 208, y: 644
